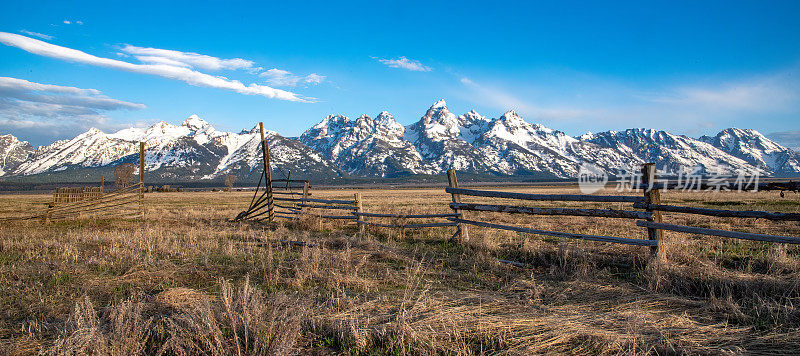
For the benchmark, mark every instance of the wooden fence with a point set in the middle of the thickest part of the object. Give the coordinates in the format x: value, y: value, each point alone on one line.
x: 121, y: 203
x: 93, y: 202
x: 69, y: 195
x: 645, y: 210
x: 648, y: 217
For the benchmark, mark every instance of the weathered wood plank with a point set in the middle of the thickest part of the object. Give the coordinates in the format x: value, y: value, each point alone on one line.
x: 604, y: 213
x: 410, y: 216
x: 369, y: 223
x: 417, y: 226
x: 335, y: 207
x: 722, y: 233
x: 324, y: 201
x: 513, y: 263
x: 546, y: 197
x: 720, y: 212
x: 288, y: 193
x: 620, y: 240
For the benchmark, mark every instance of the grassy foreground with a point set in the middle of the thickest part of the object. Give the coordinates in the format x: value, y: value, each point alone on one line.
x: 188, y: 281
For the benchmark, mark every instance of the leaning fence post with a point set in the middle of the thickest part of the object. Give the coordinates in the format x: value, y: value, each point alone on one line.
x: 461, y: 229
x: 141, y: 180
x: 359, y: 218
x: 652, y: 195
x: 267, y: 174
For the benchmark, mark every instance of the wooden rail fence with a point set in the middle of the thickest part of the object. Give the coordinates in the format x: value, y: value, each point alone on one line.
x: 645, y: 210
x: 459, y: 208
x: 650, y: 218
x: 93, y: 202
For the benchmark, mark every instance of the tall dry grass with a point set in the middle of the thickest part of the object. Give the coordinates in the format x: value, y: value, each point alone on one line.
x: 187, y: 281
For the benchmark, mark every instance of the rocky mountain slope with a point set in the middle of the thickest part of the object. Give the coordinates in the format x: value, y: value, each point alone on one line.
x: 381, y: 147
x: 193, y: 150
x: 13, y: 153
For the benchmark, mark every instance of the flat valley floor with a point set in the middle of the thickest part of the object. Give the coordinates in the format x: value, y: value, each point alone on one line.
x: 187, y: 280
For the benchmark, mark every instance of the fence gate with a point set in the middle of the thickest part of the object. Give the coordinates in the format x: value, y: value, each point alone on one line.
x: 93, y: 202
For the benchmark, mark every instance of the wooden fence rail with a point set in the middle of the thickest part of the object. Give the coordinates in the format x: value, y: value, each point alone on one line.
x: 721, y: 213
x: 722, y: 233
x: 604, y: 213
x: 546, y: 197
x: 620, y: 240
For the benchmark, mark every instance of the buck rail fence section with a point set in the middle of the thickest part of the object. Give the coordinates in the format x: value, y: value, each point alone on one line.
x: 649, y: 217
x: 460, y: 207
x: 92, y: 202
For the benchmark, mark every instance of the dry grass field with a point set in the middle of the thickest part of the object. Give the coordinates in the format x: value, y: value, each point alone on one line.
x: 187, y: 281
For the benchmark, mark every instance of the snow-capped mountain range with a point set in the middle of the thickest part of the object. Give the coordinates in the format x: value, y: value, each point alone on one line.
x: 381, y: 147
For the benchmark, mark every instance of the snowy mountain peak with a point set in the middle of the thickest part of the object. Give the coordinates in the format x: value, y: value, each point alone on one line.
x: 384, y: 117
x: 511, y: 117
x: 438, y: 113
x: 586, y: 137
x: 756, y: 149
x: 93, y: 131
x: 195, y: 123
x: 382, y: 147
x: 332, y: 120
x: 471, y: 118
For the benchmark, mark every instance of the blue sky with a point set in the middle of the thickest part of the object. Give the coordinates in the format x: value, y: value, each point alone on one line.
x: 687, y: 67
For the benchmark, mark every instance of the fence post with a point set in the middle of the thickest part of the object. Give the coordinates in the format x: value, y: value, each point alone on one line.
x: 652, y: 196
x: 305, y: 196
x: 461, y: 229
x: 359, y: 218
x: 141, y: 180
x: 267, y: 174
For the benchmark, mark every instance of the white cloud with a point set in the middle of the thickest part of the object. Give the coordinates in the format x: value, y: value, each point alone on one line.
x: 37, y: 34
x: 184, y: 74
x: 185, y: 59
x: 67, y: 22
x: 283, y: 78
x: 405, y: 63
x: 26, y: 105
x: 23, y: 90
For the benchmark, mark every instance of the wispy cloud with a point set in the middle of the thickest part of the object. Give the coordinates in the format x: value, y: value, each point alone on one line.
x: 753, y: 94
x: 578, y: 102
x: 505, y: 100
x: 185, y: 59
x: 175, y: 72
x: 405, y: 63
x: 29, y: 105
x: 789, y: 139
x: 37, y: 34
x: 283, y: 78
x: 70, y: 22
